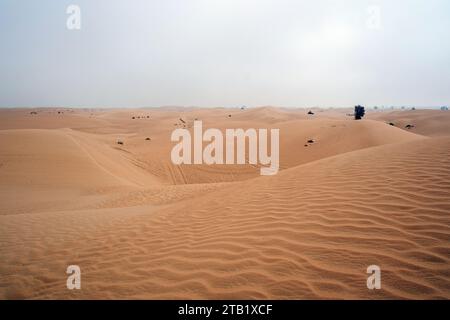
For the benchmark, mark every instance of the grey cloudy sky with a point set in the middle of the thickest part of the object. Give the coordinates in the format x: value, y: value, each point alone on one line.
x: 225, y: 53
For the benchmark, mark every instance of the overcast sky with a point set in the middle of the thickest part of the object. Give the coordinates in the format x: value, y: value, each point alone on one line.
x: 225, y: 53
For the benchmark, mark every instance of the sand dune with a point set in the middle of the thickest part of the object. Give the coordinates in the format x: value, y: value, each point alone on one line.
x: 363, y: 193
x: 425, y: 122
x: 44, y: 169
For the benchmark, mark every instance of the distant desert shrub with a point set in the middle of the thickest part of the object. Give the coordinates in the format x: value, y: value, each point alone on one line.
x: 359, y: 112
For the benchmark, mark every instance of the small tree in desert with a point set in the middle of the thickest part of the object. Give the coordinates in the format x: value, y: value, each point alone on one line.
x: 359, y: 112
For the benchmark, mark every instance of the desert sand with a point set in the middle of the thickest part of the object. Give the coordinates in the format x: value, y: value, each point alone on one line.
x: 365, y: 192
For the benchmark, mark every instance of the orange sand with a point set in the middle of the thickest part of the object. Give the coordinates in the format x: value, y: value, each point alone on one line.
x: 139, y: 227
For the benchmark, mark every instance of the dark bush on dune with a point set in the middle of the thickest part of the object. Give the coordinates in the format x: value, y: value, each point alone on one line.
x: 359, y: 112
x: 310, y: 112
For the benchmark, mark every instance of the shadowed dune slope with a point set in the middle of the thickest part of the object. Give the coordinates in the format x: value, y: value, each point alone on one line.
x: 309, y: 232
x: 45, y: 169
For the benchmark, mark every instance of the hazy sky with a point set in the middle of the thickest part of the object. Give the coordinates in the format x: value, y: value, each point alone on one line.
x: 225, y: 53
